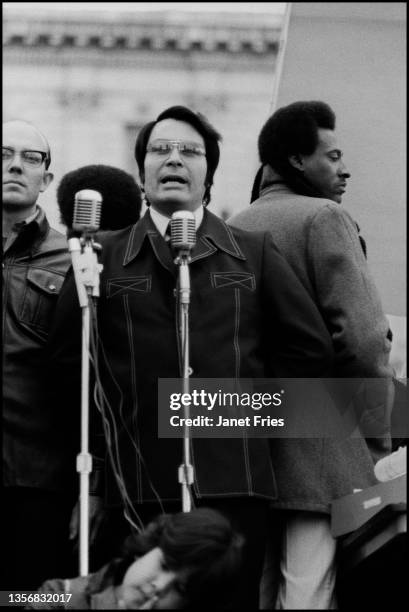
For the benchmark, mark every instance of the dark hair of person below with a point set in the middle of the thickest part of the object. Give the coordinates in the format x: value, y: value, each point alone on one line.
x: 201, y: 541
x: 121, y: 196
x: 201, y: 124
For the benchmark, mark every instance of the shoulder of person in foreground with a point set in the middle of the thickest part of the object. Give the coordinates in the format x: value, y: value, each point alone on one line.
x: 57, y: 594
x: 77, y: 593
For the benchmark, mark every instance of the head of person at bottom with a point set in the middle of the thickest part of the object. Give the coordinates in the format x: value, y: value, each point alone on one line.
x: 121, y: 196
x: 300, y: 143
x: 186, y: 560
x: 177, y: 156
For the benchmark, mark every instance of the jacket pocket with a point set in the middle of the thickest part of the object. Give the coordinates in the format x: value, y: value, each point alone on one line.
x: 126, y: 285
x: 233, y: 280
x: 39, y: 299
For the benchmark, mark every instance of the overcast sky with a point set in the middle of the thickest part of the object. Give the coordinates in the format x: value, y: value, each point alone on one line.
x: 261, y: 7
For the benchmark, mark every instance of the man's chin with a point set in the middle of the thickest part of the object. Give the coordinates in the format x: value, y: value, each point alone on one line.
x: 171, y: 205
x: 336, y: 197
x: 11, y: 203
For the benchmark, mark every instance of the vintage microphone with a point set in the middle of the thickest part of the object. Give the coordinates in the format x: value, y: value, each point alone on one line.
x: 83, y: 249
x: 86, y: 220
x: 183, y: 239
x: 87, y: 211
x: 183, y: 231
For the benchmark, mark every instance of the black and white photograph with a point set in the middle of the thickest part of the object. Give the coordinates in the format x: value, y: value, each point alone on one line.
x: 204, y: 306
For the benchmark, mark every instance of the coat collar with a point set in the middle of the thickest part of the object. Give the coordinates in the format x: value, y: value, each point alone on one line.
x: 213, y: 234
x: 32, y: 234
x: 272, y: 182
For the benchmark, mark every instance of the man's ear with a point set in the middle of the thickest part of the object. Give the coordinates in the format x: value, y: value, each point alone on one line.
x: 297, y: 162
x: 47, y: 180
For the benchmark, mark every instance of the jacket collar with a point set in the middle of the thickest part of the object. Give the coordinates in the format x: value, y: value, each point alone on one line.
x: 272, y: 182
x: 32, y: 234
x: 213, y: 234
x: 42, y: 229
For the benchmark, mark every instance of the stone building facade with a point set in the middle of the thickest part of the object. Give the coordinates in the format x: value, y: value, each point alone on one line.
x: 89, y: 80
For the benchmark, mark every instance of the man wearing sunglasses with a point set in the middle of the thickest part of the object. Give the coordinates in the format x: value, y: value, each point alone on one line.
x: 38, y: 463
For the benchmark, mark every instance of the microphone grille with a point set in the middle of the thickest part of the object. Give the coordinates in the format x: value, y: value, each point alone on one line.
x: 87, y: 211
x: 183, y: 230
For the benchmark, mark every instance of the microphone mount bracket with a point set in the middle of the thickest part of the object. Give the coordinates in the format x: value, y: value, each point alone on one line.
x: 84, y: 254
x: 183, y: 257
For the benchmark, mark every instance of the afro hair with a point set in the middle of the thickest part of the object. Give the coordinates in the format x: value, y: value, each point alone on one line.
x: 121, y: 196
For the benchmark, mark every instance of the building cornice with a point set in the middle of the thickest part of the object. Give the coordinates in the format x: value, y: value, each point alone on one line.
x: 168, y: 31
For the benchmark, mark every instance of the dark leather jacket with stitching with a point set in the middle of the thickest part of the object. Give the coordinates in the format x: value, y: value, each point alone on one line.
x: 37, y: 438
x: 249, y: 317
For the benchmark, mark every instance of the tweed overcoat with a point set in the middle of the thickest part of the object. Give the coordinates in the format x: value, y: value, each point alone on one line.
x: 250, y: 317
x: 320, y: 241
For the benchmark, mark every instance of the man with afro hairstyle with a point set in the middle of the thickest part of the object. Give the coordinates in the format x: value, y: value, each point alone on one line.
x: 297, y: 195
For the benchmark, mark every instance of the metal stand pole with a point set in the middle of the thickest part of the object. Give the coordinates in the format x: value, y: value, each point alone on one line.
x: 86, y: 271
x: 185, y: 473
x: 84, y: 459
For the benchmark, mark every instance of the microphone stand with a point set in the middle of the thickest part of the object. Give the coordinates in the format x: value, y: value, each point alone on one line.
x: 185, y: 473
x: 86, y: 271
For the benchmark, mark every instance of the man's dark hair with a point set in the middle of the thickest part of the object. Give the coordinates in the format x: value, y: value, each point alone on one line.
x: 210, y: 136
x: 201, y: 542
x: 293, y: 130
x: 121, y: 196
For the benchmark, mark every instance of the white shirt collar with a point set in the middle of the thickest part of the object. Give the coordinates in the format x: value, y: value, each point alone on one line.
x: 161, y: 221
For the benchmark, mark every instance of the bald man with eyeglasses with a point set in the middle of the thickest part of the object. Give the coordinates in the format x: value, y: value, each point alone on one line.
x: 39, y: 475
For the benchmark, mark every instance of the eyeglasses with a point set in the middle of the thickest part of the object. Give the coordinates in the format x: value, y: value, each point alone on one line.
x: 33, y: 159
x: 165, y: 148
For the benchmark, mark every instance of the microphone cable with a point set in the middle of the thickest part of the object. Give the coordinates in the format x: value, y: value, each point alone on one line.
x: 110, y: 427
